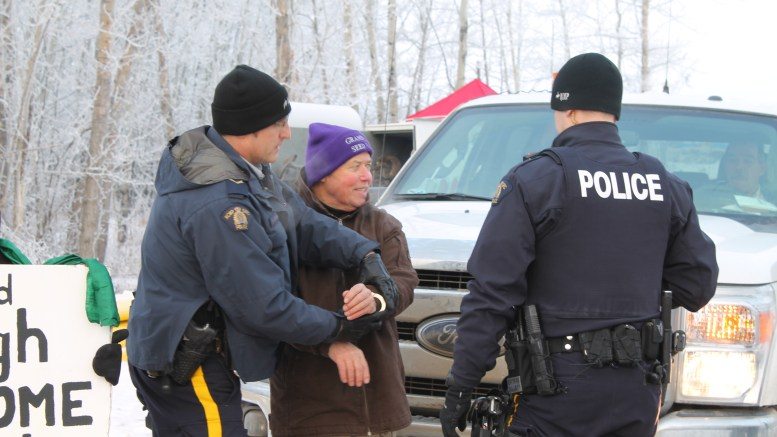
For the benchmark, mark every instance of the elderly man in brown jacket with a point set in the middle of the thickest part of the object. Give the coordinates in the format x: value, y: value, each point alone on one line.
x: 345, y: 389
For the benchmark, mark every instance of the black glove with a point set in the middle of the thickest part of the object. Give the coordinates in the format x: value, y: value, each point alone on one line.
x: 373, y: 272
x: 352, y: 330
x: 107, y: 360
x: 454, y: 412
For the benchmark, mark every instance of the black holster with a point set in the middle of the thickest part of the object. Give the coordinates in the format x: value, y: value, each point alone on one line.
x: 528, y: 359
x: 197, y: 343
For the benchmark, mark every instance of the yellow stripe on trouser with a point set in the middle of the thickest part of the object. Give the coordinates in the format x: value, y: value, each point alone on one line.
x: 212, y: 416
x: 516, y: 399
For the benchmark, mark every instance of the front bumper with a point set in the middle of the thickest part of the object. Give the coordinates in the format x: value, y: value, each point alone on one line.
x: 690, y: 422
x: 750, y: 422
x: 760, y: 422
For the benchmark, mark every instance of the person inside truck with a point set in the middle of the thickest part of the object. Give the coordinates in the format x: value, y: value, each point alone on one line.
x: 584, y: 236
x: 743, y: 167
x: 215, y: 295
x: 740, y: 183
x: 345, y: 388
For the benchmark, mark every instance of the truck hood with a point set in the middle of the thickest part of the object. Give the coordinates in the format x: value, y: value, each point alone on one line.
x: 441, y: 235
x: 744, y: 255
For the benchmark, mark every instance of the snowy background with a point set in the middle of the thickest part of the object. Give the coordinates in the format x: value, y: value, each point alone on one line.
x: 728, y: 44
x: 127, y: 417
x: 91, y: 90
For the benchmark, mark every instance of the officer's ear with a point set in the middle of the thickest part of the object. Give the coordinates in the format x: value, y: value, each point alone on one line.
x: 571, y: 115
x: 565, y: 119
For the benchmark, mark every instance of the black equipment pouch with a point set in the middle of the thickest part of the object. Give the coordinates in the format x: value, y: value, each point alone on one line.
x: 596, y: 346
x: 197, y: 343
x: 652, y: 337
x: 626, y: 345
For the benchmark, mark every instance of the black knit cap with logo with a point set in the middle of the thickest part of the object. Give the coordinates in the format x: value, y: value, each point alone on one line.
x: 247, y: 100
x: 588, y: 81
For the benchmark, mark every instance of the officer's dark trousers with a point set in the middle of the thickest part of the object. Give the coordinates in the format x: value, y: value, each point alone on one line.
x: 607, y: 401
x: 207, y: 407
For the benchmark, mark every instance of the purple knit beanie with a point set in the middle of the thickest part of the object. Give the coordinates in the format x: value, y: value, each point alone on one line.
x: 329, y: 147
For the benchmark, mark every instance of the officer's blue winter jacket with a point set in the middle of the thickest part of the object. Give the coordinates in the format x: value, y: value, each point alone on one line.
x: 590, y: 240
x: 217, y: 231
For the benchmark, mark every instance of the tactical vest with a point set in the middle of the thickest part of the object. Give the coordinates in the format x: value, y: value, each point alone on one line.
x: 602, y: 262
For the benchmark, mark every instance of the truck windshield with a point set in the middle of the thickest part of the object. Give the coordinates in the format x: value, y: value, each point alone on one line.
x: 724, y: 156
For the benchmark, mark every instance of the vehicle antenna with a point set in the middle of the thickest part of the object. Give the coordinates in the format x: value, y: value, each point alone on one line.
x: 668, y: 39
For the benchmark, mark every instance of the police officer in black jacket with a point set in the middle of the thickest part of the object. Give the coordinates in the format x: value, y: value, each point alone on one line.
x: 590, y: 234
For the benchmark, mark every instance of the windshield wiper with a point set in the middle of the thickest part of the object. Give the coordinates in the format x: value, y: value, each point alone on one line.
x: 439, y: 196
x: 742, y: 217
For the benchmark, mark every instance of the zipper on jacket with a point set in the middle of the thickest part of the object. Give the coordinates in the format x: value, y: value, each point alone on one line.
x: 363, y: 388
x: 366, y: 409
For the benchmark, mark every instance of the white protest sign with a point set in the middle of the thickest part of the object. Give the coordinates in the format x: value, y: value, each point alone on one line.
x: 47, y: 385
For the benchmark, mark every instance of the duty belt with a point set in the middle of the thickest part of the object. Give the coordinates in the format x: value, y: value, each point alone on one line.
x: 623, y: 344
x: 568, y: 343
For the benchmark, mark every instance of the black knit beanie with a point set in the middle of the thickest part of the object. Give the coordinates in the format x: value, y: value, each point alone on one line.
x: 588, y: 81
x: 247, y: 100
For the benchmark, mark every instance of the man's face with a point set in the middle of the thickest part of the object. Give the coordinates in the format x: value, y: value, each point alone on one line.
x: 347, y: 187
x: 267, y: 142
x: 743, y: 166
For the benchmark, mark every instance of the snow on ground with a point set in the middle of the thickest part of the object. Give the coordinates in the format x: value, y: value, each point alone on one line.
x: 127, y: 417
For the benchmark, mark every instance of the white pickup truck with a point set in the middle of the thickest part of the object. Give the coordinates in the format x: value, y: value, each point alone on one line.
x: 725, y: 382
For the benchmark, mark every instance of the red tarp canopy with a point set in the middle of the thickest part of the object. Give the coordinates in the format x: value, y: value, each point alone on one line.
x: 443, y: 107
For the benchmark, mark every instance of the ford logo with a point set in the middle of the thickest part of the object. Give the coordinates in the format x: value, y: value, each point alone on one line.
x: 437, y: 335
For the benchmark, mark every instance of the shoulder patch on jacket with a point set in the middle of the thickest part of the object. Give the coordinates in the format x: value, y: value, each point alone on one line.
x: 237, y: 217
x: 503, y: 188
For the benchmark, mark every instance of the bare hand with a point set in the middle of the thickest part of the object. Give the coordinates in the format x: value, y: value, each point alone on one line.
x: 351, y: 364
x: 358, y: 301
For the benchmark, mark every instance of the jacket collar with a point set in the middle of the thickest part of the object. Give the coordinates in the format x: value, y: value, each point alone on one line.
x: 599, y: 132
x: 222, y: 144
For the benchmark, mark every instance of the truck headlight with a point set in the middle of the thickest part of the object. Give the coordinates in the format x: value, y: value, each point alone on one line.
x: 728, y: 342
x: 718, y: 374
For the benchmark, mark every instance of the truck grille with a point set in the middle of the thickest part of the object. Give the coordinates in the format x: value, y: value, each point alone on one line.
x: 406, y: 330
x: 437, y: 388
x: 443, y: 279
